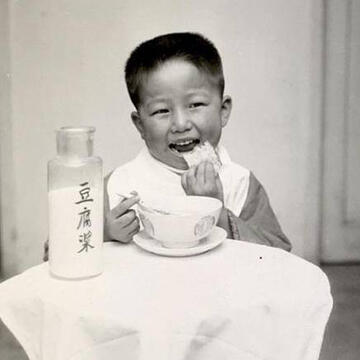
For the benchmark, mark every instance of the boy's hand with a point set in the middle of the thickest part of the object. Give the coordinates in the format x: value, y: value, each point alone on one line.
x: 203, y: 180
x: 122, y: 223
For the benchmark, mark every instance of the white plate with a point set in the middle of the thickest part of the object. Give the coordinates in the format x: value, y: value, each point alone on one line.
x: 215, y: 238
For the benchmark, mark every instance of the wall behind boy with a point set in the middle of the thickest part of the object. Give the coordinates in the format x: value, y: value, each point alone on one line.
x: 67, y: 60
x: 7, y: 251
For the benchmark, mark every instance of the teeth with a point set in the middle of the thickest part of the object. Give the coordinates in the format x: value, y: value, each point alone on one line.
x: 185, y: 142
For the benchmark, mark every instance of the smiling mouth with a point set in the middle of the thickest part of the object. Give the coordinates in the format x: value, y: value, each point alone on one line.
x: 184, y: 146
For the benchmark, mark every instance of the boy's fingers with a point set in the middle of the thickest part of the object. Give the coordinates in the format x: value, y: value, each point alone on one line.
x: 123, y: 240
x: 125, y: 219
x: 220, y: 188
x: 135, y: 231
x: 191, y: 176
x: 210, y: 174
x: 120, y: 231
x: 191, y: 173
x: 130, y: 228
x: 201, y: 172
x: 123, y: 206
x: 191, y: 180
x: 184, y: 181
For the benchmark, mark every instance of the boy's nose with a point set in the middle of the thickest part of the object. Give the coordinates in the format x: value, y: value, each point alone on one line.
x: 180, y: 122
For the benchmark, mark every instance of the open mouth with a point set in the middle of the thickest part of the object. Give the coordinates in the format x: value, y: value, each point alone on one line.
x: 184, y: 145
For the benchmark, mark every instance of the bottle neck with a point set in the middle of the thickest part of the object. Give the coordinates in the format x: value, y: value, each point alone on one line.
x: 75, y: 143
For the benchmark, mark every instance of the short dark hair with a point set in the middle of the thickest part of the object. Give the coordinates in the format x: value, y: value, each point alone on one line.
x: 191, y: 47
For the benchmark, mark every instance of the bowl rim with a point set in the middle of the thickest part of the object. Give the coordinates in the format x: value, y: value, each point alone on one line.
x: 220, y: 205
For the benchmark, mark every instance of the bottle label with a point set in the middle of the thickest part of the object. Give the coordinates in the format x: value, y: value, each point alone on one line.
x: 76, y: 230
x: 84, y: 226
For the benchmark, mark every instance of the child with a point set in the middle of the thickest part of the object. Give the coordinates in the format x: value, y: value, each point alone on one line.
x: 176, y: 84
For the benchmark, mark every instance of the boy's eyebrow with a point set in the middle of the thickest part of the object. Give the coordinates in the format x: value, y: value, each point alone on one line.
x: 198, y: 92
x: 155, y: 100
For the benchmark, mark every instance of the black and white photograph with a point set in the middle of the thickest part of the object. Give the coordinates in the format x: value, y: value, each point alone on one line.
x: 179, y: 180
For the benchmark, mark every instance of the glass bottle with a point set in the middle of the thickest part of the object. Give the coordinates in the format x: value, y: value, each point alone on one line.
x: 75, y: 190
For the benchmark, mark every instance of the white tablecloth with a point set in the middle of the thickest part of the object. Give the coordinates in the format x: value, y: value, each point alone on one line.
x: 240, y: 301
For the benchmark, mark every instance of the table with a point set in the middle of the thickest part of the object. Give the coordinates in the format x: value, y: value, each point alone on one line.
x: 238, y: 301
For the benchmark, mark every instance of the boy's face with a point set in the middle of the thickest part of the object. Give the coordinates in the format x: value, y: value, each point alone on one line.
x: 180, y: 107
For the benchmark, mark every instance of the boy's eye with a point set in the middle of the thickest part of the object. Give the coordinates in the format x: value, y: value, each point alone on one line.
x: 160, y: 111
x: 196, y: 104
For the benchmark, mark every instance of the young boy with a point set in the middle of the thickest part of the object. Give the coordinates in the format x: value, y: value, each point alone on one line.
x: 176, y: 84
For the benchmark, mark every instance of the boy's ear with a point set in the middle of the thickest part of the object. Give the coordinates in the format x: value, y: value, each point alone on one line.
x: 226, y: 107
x: 135, y: 117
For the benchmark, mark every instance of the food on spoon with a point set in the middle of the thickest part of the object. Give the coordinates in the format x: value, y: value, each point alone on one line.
x: 203, y: 152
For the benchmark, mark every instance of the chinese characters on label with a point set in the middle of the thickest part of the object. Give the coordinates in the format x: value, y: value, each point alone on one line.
x: 84, y: 223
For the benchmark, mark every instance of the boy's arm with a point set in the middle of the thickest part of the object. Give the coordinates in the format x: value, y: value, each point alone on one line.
x: 257, y: 222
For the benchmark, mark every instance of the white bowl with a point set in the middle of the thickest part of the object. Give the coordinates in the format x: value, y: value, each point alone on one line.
x: 179, y: 221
